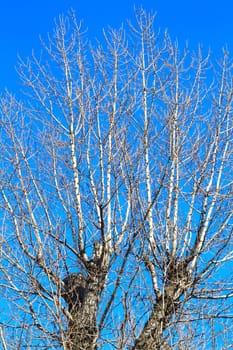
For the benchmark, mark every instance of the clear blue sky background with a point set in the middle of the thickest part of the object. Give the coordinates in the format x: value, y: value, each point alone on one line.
x: 209, y: 22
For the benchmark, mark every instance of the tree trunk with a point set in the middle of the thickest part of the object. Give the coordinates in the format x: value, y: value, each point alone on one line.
x: 177, y: 282
x: 82, y: 295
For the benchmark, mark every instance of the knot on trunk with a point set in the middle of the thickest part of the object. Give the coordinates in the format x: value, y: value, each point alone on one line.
x: 74, y: 290
x: 176, y: 272
x: 177, y: 279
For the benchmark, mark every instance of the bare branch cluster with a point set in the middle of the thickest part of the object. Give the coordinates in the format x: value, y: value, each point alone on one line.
x: 116, y: 195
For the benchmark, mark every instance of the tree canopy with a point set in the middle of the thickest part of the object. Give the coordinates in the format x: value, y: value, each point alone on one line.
x: 116, y: 194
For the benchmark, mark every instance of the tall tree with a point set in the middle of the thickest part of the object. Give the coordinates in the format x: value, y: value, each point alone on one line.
x: 116, y: 195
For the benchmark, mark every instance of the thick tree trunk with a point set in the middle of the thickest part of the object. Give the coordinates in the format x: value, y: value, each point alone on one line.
x: 82, y: 331
x: 151, y: 336
x: 177, y: 282
x: 82, y: 295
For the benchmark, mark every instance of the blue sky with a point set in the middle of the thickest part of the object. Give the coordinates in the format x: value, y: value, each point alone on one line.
x: 209, y: 22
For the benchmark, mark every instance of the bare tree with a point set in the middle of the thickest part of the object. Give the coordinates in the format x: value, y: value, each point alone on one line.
x: 116, y: 195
